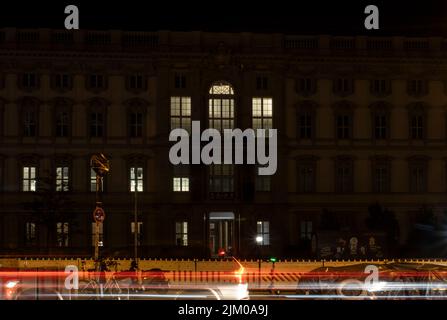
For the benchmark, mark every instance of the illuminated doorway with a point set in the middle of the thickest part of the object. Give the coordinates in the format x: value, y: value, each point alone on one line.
x: 221, y: 232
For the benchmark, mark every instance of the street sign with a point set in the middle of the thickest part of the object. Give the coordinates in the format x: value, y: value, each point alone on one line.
x: 99, y: 215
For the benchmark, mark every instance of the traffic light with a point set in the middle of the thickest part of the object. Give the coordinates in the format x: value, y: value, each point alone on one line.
x: 273, y: 259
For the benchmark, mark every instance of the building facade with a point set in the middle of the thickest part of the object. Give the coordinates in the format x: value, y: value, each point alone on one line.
x: 362, y: 133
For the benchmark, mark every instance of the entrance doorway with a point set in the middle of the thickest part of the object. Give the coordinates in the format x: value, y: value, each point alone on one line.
x: 221, y: 231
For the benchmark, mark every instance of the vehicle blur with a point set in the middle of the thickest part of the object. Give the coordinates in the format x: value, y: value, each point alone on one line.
x: 109, y: 284
x: 393, y: 281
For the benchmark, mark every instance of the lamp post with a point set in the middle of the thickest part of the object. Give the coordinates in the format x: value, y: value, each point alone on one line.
x: 100, y: 164
x: 135, y: 229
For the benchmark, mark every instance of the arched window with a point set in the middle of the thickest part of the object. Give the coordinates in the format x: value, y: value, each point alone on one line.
x: 221, y: 116
x: 221, y: 106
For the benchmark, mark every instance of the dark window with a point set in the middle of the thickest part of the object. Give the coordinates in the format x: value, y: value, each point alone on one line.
x: 306, y: 177
x: 417, y: 87
x: 305, y: 124
x: 306, y: 229
x: 262, y: 183
x: 30, y: 81
x: 136, y: 82
x: 221, y: 178
x: 344, y: 177
x: 261, y: 83
x: 418, y: 177
x: 343, y: 86
x: 380, y: 87
x: 30, y: 234
x: 62, y: 81
x: 344, y: 126
x: 306, y: 86
x: 136, y: 124
x: 62, y: 123
x: 97, y: 124
x: 380, y: 126
x: 381, y: 177
x: 30, y: 122
x: 96, y: 81
x: 180, y: 81
x: 417, y: 123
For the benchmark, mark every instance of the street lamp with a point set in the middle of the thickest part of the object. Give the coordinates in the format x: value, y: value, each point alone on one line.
x: 259, y: 240
x: 100, y: 164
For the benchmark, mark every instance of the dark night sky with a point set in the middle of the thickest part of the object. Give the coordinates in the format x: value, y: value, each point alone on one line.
x: 406, y: 18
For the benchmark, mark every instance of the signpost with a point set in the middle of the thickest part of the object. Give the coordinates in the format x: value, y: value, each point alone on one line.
x: 100, y: 164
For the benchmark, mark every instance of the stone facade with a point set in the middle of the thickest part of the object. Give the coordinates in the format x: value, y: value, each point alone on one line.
x: 360, y: 121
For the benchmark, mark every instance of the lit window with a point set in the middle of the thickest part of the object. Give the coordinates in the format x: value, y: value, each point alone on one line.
x: 221, y: 89
x: 181, y: 233
x: 139, y: 231
x: 263, y: 233
x: 221, y: 107
x: 136, y: 179
x: 93, y: 181
x: 62, y: 178
x: 29, y: 178
x: 181, y: 113
x: 62, y: 229
x: 181, y: 184
x: 262, y: 111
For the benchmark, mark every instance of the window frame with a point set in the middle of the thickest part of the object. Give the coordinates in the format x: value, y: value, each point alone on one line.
x: 29, y: 179
x: 63, y: 236
x: 182, y: 235
x: 263, y: 230
x: 184, y: 116
x: 306, y: 187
